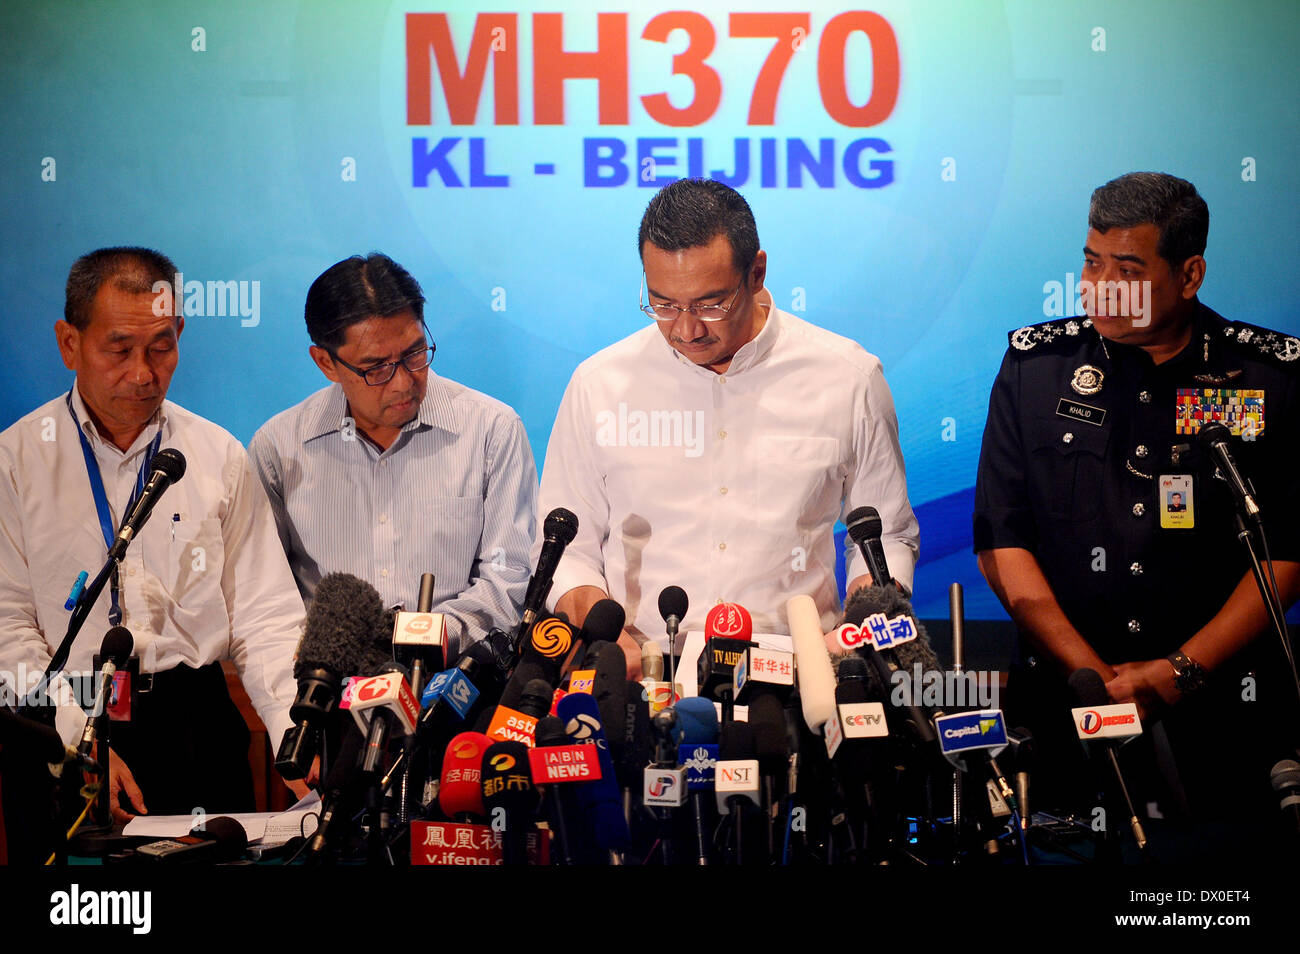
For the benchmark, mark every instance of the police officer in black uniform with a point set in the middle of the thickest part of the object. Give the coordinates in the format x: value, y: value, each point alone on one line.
x: 1091, y: 431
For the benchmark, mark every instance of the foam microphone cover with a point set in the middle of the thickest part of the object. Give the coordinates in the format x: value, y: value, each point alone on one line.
x: 507, y: 783
x: 1089, y: 688
x: 342, y: 629
x: 729, y: 621
x: 889, y: 601
x: 673, y: 602
x: 767, y: 720
x: 604, y: 622
x: 638, y: 740
x: 536, y: 698
x: 461, y: 790
x: 229, y: 835
x: 816, y: 678
x: 736, y: 741
x: 600, y: 798
x: 610, y: 691
x: 550, y: 732
x: 117, y: 646
x: 853, y: 677
x: 698, y: 719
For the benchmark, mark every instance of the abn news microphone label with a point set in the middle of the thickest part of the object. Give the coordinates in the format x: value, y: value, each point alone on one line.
x: 564, y: 763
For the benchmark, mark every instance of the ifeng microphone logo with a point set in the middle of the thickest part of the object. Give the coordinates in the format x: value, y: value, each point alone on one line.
x: 552, y: 637
x: 582, y: 727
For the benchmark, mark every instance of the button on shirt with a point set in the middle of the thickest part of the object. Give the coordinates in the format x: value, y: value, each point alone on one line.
x: 454, y: 495
x: 203, y: 580
x: 726, y: 485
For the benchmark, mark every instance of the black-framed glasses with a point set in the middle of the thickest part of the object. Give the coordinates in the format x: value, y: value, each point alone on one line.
x: 412, y: 361
x: 667, y: 312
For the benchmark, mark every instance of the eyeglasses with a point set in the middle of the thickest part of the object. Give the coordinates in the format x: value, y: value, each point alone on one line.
x: 412, y: 361
x: 667, y: 312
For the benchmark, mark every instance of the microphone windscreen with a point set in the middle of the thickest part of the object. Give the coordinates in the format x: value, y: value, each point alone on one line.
x: 560, y: 524
x: 888, y: 601
x: 229, y: 834
x: 1088, y: 687
x: 673, y: 602
x: 610, y: 690
x: 117, y: 646
x: 604, y: 622
x: 171, y: 462
x: 345, y: 620
x: 698, y: 719
x: 813, y: 663
x: 535, y: 700
x: 863, y: 523
x: 1213, y: 433
x: 22, y: 738
x: 460, y: 791
x: 507, y: 781
x: 729, y: 621
x: 736, y: 741
x: 767, y: 719
x: 550, y: 732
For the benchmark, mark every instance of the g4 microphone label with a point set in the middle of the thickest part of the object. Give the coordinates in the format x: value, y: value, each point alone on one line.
x: 665, y: 787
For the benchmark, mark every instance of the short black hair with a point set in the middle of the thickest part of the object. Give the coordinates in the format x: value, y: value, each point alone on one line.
x: 691, y: 212
x: 129, y: 267
x: 1171, y: 204
x: 356, y: 289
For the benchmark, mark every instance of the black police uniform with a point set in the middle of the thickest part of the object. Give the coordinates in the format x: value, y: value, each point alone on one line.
x: 1083, y: 450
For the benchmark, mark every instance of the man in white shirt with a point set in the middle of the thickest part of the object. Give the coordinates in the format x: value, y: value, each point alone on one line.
x: 204, y: 580
x: 716, y: 448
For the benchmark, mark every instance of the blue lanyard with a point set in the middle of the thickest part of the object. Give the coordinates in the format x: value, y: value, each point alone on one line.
x: 101, y: 498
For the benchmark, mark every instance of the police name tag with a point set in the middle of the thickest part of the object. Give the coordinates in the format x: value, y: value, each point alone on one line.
x: 1176, y: 505
x: 1080, y: 412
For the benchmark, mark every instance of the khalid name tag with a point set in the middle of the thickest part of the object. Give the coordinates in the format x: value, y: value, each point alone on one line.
x: 1177, y: 510
x: 1241, y: 410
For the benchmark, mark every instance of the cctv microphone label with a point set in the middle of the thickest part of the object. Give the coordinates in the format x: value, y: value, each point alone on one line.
x: 863, y: 720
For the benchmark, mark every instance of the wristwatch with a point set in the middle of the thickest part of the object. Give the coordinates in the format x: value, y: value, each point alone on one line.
x: 1189, y: 675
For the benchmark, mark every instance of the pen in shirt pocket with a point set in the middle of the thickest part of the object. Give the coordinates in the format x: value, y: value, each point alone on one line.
x: 176, y: 518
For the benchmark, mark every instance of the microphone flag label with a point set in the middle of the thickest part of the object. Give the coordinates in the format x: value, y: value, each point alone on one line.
x: 700, y: 759
x: 664, y: 787
x: 1118, y: 721
x: 863, y: 720
x: 564, y: 763
x: 966, y: 731
x: 582, y: 680
x: 454, y: 687
x: 419, y: 629
x: 510, y: 725
x: 453, y: 843
x: 878, y: 629
x: 388, y: 689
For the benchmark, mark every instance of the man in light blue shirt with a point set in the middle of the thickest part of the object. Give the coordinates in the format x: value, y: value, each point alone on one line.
x: 392, y: 471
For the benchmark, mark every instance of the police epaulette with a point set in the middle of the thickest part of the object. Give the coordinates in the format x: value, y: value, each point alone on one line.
x: 1261, y: 343
x: 1061, y: 330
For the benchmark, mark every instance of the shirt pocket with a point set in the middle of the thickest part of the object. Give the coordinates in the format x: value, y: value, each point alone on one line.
x: 195, y: 559
x: 799, y: 484
x: 450, y: 529
x: 1068, y: 468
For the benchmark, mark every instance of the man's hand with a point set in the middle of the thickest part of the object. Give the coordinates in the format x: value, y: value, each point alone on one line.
x: 121, y: 780
x: 299, y: 787
x: 632, y: 650
x: 1149, y: 684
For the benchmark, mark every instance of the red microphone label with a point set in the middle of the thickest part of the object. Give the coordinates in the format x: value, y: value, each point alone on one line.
x: 728, y: 620
x: 564, y: 763
x: 450, y: 843
x: 877, y: 629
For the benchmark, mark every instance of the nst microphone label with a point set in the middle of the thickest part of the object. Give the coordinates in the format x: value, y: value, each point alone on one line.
x: 1119, y: 721
x: 971, y: 730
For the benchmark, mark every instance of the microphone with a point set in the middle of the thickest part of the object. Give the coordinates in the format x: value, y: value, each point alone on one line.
x: 508, y: 795
x: 1215, y: 438
x: 461, y: 790
x: 519, y: 724
x: 736, y: 777
x: 727, y: 631
x: 31, y: 741
x: 600, y: 798
x: 604, y: 623
x: 420, y: 638
x: 672, y: 607
x: 558, y: 530
x: 1090, y: 691
x: 340, y: 638
x: 816, y: 678
x: 1285, y: 779
x: 865, y: 526
x: 698, y: 755
x: 168, y: 467
x: 381, y: 705
x: 115, y: 650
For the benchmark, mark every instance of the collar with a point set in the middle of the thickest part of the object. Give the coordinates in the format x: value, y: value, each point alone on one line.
x: 435, y: 411
x: 87, y: 424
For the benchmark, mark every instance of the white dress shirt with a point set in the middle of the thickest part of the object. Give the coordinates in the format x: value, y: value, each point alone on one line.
x: 204, y: 580
x: 728, y: 485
